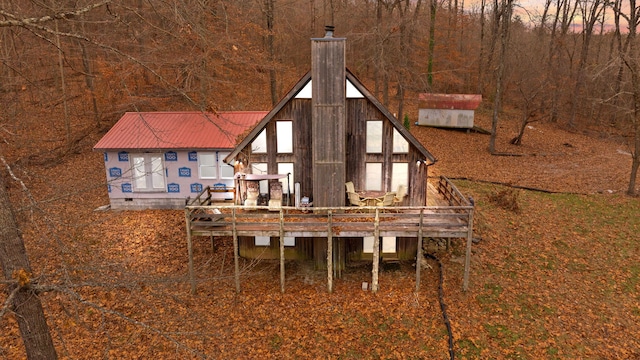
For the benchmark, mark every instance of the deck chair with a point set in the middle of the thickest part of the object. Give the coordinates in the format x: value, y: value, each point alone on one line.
x: 355, y: 200
x: 387, y: 200
x: 350, y: 187
x: 400, y: 194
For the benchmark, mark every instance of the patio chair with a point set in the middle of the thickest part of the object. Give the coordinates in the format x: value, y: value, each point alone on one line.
x: 387, y: 199
x: 400, y: 194
x: 355, y: 200
x: 350, y: 187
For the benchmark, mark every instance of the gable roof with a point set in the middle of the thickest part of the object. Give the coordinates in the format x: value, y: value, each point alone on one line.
x: 178, y: 130
x: 360, y: 87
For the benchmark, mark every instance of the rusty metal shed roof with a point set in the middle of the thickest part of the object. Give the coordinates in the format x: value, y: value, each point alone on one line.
x: 449, y: 101
x: 178, y: 130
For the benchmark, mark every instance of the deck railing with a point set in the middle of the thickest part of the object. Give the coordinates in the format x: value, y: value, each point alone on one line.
x: 453, y: 221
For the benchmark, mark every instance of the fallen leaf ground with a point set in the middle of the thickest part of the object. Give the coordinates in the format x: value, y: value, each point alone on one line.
x: 559, y: 279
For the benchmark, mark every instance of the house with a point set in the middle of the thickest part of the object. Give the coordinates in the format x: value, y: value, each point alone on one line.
x: 160, y: 159
x: 329, y: 130
x: 448, y: 110
x: 327, y: 137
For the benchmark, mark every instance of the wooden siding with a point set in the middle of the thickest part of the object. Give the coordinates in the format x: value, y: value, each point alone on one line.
x: 328, y: 120
x: 358, y: 112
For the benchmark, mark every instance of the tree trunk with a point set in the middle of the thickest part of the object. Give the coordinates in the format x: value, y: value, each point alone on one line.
x: 432, y: 42
x: 632, y: 63
x: 269, y: 13
x: 504, y: 35
x: 589, y: 19
x: 26, y: 303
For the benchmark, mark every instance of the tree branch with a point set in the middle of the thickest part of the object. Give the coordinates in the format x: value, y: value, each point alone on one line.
x: 15, y: 21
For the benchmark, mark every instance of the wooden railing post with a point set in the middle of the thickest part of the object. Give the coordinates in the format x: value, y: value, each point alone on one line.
x: 376, y: 253
x: 419, y: 254
x: 236, y: 254
x: 192, y: 280
x: 467, y: 259
x: 329, y: 253
x: 281, y: 251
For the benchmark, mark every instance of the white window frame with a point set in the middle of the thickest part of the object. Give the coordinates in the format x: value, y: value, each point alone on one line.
x: 284, y: 137
x: 374, y: 136
x: 210, y: 166
x: 373, y: 176
x: 400, y: 144
x: 259, y: 144
x: 154, y: 177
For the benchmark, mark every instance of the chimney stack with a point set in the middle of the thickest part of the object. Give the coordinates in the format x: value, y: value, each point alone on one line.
x: 328, y: 76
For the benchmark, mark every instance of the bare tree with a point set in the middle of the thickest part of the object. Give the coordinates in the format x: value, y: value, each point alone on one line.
x: 503, y: 17
x: 631, y: 61
x: 22, y: 298
x: 590, y: 13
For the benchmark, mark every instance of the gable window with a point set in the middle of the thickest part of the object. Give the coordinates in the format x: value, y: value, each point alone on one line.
x: 374, y: 136
x: 259, y: 144
x: 208, y: 165
x: 284, y: 136
x: 399, y: 175
x: 148, y: 172
x: 373, y: 176
x: 400, y: 144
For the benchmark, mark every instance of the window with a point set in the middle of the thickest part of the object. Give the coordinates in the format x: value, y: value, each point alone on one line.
x: 399, y: 175
x: 261, y: 168
x: 374, y: 136
x: 373, y: 176
x: 286, y: 168
x: 367, y: 244
x: 148, y: 172
x: 263, y: 241
x: 400, y: 144
x: 284, y: 136
x: 208, y: 166
x: 388, y: 244
x: 259, y: 144
x: 226, y: 171
x: 289, y: 241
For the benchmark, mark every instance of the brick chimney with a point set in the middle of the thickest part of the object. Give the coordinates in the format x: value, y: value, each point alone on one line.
x: 328, y: 119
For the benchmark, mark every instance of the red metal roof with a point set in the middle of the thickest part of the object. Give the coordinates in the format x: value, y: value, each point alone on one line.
x: 449, y: 101
x: 178, y: 130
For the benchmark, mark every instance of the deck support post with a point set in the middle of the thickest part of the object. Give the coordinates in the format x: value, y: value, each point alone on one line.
x: 419, y: 254
x: 236, y: 252
x: 329, y: 254
x: 192, y: 280
x: 281, y: 252
x: 467, y: 259
x: 376, y: 253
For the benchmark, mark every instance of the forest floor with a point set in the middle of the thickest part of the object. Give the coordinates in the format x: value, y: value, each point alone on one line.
x: 553, y: 276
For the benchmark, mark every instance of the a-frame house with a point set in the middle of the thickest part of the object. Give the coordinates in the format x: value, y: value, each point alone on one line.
x: 327, y: 131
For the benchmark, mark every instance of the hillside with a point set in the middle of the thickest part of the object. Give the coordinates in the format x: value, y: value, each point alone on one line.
x: 557, y: 279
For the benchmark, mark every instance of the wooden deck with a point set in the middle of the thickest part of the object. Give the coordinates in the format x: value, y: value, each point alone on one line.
x: 449, y: 215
